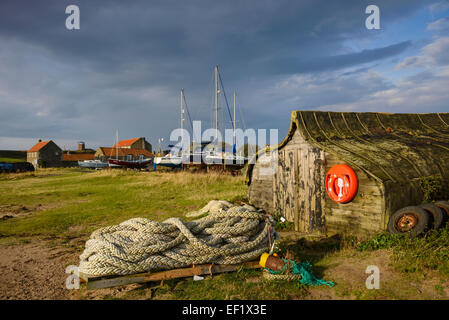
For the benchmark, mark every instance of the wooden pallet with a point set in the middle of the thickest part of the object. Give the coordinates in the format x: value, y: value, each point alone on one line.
x: 204, y: 269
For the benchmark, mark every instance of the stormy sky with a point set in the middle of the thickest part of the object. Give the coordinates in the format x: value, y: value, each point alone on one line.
x: 124, y: 68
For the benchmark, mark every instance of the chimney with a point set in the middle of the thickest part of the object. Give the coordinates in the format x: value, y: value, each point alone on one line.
x: 40, y: 140
x: 81, y: 146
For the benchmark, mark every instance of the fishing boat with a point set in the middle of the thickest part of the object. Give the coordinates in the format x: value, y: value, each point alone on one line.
x: 92, y: 164
x: 132, y: 164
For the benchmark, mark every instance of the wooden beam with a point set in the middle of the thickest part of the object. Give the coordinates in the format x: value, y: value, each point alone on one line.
x: 204, y: 269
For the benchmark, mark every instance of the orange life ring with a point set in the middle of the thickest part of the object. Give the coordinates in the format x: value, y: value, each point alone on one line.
x: 341, y: 183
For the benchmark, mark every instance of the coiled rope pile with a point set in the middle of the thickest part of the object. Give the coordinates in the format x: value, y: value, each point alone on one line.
x: 230, y: 235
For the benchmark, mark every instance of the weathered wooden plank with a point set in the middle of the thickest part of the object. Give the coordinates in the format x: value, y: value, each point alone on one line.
x: 348, y: 228
x: 290, y: 190
x: 260, y: 192
x: 100, y: 283
x: 340, y: 212
x: 370, y: 204
x: 302, y: 196
x: 360, y: 224
x: 317, y: 188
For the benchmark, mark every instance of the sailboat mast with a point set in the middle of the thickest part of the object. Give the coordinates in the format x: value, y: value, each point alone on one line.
x: 182, y: 120
x: 216, y: 102
x: 234, y: 145
x: 116, y: 145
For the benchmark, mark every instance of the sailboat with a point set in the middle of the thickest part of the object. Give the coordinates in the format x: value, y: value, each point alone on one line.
x: 218, y: 156
x: 132, y: 164
x: 177, y: 156
x: 202, y: 150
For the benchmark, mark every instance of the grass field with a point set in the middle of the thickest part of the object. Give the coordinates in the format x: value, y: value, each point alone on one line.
x: 11, y: 160
x: 70, y: 199
x: 46, y: 217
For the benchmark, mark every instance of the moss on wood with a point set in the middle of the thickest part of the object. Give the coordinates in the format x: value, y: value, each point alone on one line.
x: 434, y: 188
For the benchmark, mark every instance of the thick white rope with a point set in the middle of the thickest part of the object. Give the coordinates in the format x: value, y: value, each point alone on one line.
x: 227, y: 236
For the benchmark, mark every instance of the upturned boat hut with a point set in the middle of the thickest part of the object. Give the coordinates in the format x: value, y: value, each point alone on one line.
x: 340, y: 172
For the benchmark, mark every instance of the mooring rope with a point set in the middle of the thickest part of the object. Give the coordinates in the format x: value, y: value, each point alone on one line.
x: 230, y: 236
x: 292, y: 271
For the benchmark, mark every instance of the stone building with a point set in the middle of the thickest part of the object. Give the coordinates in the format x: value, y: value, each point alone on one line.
x: 136, y: 143
x: 45, y: 154
x: 130, y: 149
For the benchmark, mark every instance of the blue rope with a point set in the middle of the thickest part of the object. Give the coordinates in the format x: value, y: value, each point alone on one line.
x: 305, y: 270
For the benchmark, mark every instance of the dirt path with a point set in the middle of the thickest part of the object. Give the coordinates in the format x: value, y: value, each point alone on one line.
x: 34, y: 271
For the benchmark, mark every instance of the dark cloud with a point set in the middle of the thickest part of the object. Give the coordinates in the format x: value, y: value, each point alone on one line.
x: 179, y: 36
x: 125, y: 67
x: 326, y: 62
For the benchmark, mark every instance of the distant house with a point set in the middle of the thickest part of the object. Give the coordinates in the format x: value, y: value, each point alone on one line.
x: 45, y: 154
x: 71, y: 158
x: 136, y: 143
x: 105, y: 153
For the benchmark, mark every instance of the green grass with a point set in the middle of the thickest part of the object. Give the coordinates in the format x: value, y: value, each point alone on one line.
x: 243, y: 284
x: 11, y: 160
x: 63, y: 200
x: 414, y: 254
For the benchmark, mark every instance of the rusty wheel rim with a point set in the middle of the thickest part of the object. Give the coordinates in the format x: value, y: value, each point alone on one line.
x: 407, y: 222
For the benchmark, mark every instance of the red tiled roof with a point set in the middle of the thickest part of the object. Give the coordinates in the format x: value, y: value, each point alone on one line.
x: 78, y: 156
x: 38, y: 146
x: 125, y: 143
x: 111, y: 152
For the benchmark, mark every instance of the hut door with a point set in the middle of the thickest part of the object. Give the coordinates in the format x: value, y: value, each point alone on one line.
x: 310, y: 200
x: 285, y: 185
x: 298, y: 187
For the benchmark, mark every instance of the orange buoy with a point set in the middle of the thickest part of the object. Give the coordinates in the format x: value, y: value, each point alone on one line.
x: 341, y: 183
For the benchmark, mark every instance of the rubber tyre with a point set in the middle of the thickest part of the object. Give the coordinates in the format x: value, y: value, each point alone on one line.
x: 437, y: 215
x: 420, y: 216
x: 444, y: 206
